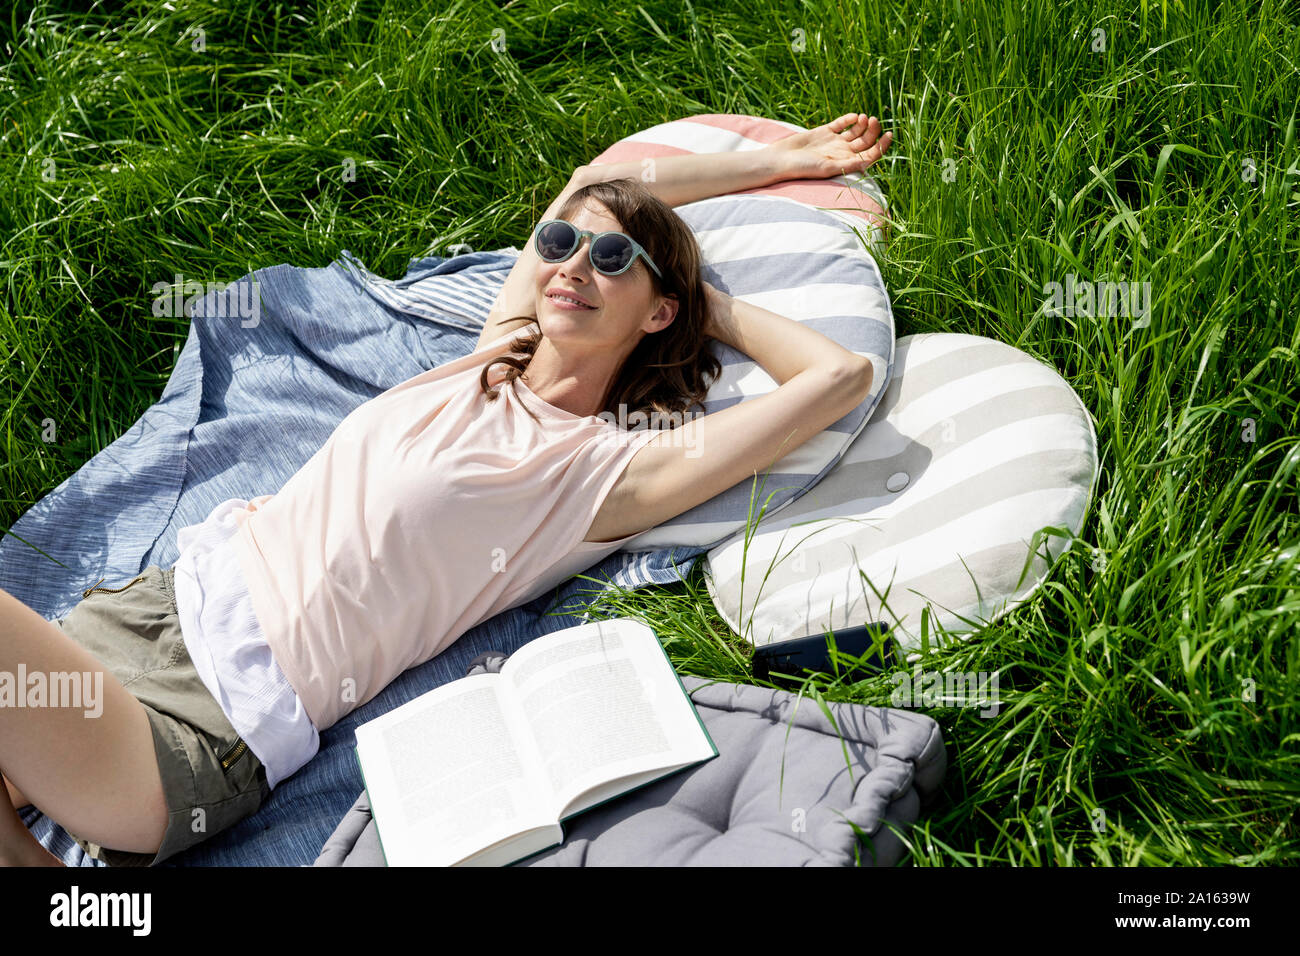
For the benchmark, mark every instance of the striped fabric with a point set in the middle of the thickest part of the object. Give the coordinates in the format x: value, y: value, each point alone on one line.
x: 801, y: 263
x: 460, y: 299
x: 856, y: 198
x: 940, y: 504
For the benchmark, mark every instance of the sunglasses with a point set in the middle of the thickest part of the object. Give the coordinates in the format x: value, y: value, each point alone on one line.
x: 611, y: 253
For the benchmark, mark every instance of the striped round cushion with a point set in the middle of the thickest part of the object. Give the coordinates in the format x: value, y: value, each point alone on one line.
x: 953, y: 504
x: 801, y: 263
x: 855, y: 198
x: 798, y: 248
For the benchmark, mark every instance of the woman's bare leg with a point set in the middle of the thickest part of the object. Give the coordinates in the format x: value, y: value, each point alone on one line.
x: 14, y: 834
x: 96, y: 775
x: 16, y: 796
x: 17, y: 845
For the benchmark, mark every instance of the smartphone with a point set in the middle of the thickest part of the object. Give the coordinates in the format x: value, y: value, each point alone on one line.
x: 781, y: 662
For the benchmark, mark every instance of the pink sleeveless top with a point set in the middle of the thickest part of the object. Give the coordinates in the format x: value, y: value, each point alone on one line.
x: 428, y: 510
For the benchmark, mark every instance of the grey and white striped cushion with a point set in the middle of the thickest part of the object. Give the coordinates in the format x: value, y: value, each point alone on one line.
x: 994, y: 446
x: 807, y: 265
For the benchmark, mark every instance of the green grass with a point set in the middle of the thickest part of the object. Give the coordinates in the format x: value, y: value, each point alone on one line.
x: 1122, y: 680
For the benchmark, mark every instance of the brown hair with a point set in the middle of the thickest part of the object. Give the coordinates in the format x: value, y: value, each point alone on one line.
x: 670, y: 371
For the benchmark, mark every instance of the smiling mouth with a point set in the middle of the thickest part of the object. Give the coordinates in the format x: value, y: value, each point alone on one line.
x: 567, y: 301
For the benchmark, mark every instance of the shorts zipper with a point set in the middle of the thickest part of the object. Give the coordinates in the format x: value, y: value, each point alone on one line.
x: 91, y: 590
x: 232, y: 756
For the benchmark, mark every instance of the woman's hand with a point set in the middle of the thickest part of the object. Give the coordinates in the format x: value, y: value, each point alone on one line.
x: 846, y: 145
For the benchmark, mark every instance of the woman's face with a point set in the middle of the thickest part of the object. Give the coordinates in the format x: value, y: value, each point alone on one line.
x: 622, y: 304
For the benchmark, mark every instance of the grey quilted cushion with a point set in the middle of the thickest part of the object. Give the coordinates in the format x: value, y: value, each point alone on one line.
x: 781, y: 792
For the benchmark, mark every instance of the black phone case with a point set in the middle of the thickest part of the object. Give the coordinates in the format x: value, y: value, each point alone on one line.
x: 783, y: 661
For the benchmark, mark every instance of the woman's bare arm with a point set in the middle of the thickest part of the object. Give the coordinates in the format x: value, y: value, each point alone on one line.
x: 678, y: 180
x: 848, y: 144
x: 819, y: 382
x: 782, y: 346
x: 518, y: 296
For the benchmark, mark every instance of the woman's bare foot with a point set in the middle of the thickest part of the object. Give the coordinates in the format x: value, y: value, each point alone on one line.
x: 851, y: 143
x: 845, y: 146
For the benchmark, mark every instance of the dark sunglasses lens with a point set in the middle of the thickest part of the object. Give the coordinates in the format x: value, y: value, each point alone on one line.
x: 611, y: 254
x: 555, y: 241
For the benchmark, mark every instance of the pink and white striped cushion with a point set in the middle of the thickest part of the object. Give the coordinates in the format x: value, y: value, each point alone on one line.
x: 855, y: 198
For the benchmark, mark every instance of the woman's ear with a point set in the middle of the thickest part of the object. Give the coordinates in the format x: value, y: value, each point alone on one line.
x: 666, y: 312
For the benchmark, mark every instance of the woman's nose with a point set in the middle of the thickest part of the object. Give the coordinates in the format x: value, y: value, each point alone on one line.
x: 578, y: 259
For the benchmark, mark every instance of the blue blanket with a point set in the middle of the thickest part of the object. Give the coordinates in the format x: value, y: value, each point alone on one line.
x: 255, y: 392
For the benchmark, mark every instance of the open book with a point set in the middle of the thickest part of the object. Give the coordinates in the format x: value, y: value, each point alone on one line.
x: 481, y: 771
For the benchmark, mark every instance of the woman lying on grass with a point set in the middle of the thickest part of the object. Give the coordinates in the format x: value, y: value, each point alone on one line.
x: 445, y: 500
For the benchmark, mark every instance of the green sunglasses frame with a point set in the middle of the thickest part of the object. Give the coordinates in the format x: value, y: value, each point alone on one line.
x: 637, y: 249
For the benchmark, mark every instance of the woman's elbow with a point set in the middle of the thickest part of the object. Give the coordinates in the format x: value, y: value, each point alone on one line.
x: 858, y: 377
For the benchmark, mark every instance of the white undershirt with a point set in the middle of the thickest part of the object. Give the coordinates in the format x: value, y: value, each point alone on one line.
x: 230, y: 652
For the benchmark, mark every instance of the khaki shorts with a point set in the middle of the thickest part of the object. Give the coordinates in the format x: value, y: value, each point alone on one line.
x: 210, y: 777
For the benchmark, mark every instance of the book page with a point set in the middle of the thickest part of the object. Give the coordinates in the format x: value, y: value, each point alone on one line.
x: 602, y: 702
x: 445, y: 776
